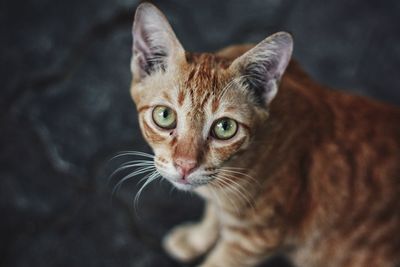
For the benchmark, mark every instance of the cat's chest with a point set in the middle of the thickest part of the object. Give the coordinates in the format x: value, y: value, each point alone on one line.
x: 231, y: 219
x: 227, y: 215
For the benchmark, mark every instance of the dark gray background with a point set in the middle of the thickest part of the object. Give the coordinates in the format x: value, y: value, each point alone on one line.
x: 65, y: 110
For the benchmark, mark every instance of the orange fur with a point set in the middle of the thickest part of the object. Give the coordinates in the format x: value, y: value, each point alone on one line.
x: 316, y: 175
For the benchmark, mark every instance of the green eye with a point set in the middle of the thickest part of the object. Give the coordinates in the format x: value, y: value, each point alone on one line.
x: 164, y: 117
x: 224, y: 128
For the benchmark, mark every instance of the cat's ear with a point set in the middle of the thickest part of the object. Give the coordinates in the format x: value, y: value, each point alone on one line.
x: 155, y: 46
x: 262, y: 67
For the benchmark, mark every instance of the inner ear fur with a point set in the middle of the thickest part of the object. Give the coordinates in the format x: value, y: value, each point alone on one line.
x: 155, y: 45
x: 263, y: 66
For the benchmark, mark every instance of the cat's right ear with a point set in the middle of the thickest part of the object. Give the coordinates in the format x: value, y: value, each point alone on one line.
x: 261, y: 68
x: 155, y: 46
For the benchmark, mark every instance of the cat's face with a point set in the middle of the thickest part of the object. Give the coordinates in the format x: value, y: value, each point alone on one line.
x: 195, y: 117
x: 199, y: 111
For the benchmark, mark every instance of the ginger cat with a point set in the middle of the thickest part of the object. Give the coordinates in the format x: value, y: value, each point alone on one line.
x: 284, y: 164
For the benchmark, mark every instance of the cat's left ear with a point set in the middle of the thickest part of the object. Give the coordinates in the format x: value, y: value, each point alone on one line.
x: 155, y: 46
x: 262, y: 67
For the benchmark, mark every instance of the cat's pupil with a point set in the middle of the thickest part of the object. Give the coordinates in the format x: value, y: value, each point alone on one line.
x: 225, y: 125
x: 165, y: 113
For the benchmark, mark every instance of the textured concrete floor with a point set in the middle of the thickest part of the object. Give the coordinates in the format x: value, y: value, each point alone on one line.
x: 65, y: 110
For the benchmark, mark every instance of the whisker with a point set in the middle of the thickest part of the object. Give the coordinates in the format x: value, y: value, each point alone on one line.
x: 234, y: 80
x: 138, y: 161
x: 240, y: 173
x: 233, y: 168
x: 231, y: 178
x: 221, y: 189
x: 225, y: 182
x: 215, y: 194
x: 132, y: 153
x: 133, y: 174
x: 127, y: 166
x: 153, y: 176
x: 172, y: 189
x: 228, y: 181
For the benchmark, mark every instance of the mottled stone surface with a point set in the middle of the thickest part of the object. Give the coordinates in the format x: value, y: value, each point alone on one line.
x: 65, y: 110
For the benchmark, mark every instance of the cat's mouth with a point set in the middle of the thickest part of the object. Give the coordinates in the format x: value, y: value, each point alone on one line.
x: 189, y: 184
x: 185, y: 182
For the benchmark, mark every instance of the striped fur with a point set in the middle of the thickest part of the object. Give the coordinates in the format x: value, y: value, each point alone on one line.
x: 315, y: 176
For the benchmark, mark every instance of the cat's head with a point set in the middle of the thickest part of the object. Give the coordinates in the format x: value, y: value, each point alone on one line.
x: 198, y: 111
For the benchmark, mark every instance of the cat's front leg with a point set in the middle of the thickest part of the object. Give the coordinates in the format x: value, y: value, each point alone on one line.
x: 242, y: 247
x: 189, y: 241
x: 231, y: 254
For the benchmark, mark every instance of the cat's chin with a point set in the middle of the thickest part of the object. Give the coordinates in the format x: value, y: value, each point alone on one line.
x: 184, y: 187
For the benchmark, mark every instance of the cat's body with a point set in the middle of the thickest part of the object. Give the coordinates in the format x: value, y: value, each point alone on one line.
x: 314, y: 175
x: 329, y: 164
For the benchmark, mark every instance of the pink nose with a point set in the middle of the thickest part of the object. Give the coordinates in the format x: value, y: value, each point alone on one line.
x: 185, y: 166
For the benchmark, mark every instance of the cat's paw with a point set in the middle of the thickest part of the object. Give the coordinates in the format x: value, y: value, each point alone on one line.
x: 187, y: 242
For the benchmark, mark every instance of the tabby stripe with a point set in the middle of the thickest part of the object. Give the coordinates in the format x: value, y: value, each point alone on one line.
x: 246, y: 127
x: 226, y: 150
x: 242, y: 250
x: 181, y: 97
x: 143, y: 108
x: 205, y: 100
x: 173, y: 142
x: 214, y: 104
x: 151, y: 134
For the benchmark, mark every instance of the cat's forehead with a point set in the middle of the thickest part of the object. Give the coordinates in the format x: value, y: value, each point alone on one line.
x: 205, y: 75
x: 207, y: 60
x: 202, y: 84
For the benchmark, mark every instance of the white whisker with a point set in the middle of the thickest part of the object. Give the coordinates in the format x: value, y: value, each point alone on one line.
x: 223, y: 169
x: 215, y: 194
x: 228, y: 181
x: 234, y: 80
x: 132, y: 153
x: 131, y: 175
x: 127, y: 166
x: 150, y: 178
x: 221, y: 189
x: 138, y: 161
x: 233, y: 168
